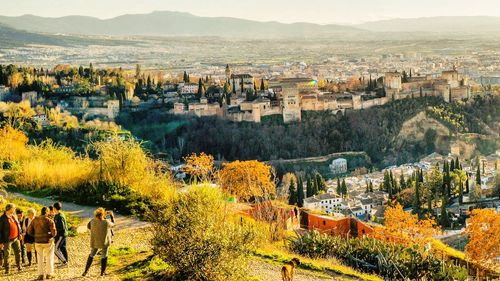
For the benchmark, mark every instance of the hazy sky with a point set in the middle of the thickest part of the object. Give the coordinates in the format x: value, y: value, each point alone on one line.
x: 317, y: 11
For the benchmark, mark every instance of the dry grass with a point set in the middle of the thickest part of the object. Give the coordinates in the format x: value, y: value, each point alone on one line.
x: 51, y: 166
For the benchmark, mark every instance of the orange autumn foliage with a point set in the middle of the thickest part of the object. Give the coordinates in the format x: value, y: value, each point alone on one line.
x: 200, y: 166
x: 484, y: 236
x: 247, y: 179
x: 404, y: 227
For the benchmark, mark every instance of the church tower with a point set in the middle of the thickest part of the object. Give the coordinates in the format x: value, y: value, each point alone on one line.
x: 228, y: 72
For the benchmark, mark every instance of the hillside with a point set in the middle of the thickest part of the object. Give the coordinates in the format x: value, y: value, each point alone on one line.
x: 469, y: 25
x: 424, y: 129
x: 319, y: 133
x: 11, y: 37
x: 166, y: 23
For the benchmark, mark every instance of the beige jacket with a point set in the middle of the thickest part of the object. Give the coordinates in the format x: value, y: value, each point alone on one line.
x: 100, y: 233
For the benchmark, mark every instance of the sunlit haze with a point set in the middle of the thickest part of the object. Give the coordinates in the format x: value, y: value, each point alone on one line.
x: 315, y: 11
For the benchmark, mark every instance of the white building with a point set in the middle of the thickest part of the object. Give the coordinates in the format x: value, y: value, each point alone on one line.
x: 188, y: 88
x: 367, y: 205
x: 312, y: 203
x: 241, y: 82
x: 338, y: 166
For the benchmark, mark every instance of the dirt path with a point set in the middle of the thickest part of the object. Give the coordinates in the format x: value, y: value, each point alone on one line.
x: 85, y: 213
x: 271, y: 272
x: 130, y: 233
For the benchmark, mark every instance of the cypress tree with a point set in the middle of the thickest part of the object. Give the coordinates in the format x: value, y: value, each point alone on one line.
x: 452, y: 165
x: 344, y: 188
x: 292, y: 193
x: 371, y: 186
x: 402, y: 182
x: 320, y: 182
x: 300, y: 193
x: 467, y: 185
x: 309, y: 188
x: 444, y: 221
x: 461, y: 193
x: 262, y: 86
x: 478, y: 175
x: 339, y: 187
x: 416, y: 200
x: 200, y: 89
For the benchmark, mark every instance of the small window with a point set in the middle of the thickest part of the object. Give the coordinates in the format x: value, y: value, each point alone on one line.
x: 324, y: 222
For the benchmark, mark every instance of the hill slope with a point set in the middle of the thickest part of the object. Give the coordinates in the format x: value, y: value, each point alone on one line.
x: 11, y: 38
x: 473, y: 24
x: 166, y: 23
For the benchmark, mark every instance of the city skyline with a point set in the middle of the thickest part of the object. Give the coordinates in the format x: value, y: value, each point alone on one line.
x: 313, y: 11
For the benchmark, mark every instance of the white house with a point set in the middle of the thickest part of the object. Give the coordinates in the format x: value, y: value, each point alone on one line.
x: 357, y: 211
x: 366, y: 205
x: 330, y: 202
x: 338, y: 166
x: 188, y: 88
x: 312, y: 203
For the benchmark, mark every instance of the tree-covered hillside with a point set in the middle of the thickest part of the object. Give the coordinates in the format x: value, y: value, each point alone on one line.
x: 373, y: 130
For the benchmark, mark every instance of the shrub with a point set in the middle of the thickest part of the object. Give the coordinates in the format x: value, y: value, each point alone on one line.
x: 394, y: 262
x: 200, y: 238
x: 53, y: 166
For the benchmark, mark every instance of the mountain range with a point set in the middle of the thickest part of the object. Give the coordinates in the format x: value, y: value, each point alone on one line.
x: 167, y: 23
x: 83, y: 30
x: 457, y: 24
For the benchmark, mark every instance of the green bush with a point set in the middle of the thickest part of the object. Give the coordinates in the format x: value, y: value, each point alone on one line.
x: 200, y: 238
x: 393, y: 262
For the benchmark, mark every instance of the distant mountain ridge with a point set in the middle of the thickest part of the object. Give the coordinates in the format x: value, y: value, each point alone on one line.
x: 166, y: 23
x: 11, y: 38
x: 453, y: 24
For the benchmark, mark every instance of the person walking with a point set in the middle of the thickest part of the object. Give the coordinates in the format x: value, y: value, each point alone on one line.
x: 44, y: 231
x: 29, y: 241
x: 10, y: 235
x: 62, y: 232
x: 100, y: 238
x: 20, y: 219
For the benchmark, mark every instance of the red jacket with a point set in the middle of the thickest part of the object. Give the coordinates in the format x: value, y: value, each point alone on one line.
x: 5, y: 228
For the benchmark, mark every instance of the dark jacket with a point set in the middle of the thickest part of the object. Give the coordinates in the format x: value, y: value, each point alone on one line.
x: 61, y: 225
x: 43, y: 229
x: 5, y: 228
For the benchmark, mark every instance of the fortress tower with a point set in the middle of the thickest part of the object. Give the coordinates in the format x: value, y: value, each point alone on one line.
x: 392, y: 80
x: 291, y: 105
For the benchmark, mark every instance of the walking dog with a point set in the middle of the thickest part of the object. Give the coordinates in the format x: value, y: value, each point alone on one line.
x: 288, y: 270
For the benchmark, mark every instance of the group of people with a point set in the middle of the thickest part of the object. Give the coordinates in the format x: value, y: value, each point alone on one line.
x: 38, y: 238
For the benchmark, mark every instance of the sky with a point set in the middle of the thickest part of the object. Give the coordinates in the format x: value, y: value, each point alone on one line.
x: 314, y: 11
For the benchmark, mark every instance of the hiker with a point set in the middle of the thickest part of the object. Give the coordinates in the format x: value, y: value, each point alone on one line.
x: 62, y: 232
x: 20, y: 219
x: 44, y: 231
x: 29, y: 240
x: 100, y: 238
x: 10, y: 234
x: 51, y: 212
